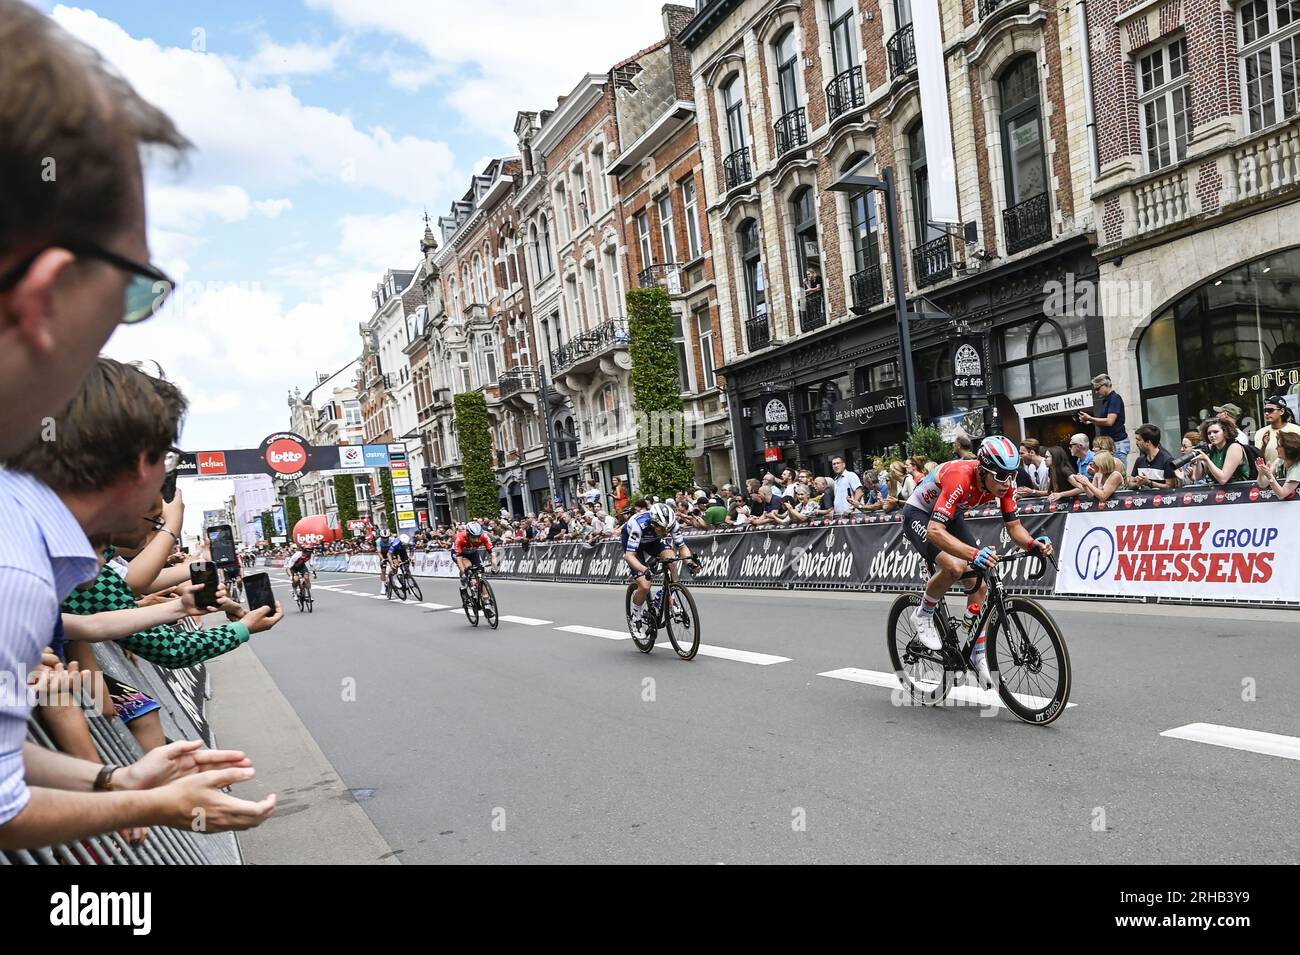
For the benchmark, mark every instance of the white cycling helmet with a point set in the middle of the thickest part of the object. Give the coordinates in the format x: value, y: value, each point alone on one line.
x: 474, y: 529
x: 405, y: 539
x: 662, y: 515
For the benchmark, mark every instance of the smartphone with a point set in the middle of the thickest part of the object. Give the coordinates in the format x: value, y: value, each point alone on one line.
x: 258, y: 588
x: 204, y: 572
x: 185, y: 550
x: 222, y: 538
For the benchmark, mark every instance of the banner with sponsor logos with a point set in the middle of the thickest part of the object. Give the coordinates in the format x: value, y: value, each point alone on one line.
x: 1215, y: 553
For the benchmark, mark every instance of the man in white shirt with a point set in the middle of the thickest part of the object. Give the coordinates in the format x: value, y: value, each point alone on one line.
x: 848, y: 487
x: 1277, y: 419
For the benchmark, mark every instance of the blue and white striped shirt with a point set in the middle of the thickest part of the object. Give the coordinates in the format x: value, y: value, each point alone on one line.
x: 44, y: 554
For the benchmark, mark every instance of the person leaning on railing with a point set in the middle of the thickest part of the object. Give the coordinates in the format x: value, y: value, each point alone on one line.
x: 1227, y: 460
x: 1284, y: 477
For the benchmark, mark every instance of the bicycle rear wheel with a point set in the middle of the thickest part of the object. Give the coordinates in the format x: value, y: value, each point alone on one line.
x: 683, y: 621
x: 644, y: 640
x: 399, y: 586
x: 920, y: 670
x: 1032, y: 664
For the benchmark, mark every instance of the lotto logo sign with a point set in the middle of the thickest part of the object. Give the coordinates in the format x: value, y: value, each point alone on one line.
x: 286, y: 456
x: 212, y: 462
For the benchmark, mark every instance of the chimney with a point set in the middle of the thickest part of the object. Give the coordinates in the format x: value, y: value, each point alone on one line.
x: 676, y: 18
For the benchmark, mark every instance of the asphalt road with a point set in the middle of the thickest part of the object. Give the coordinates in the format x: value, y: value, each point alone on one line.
x: 535, y: 744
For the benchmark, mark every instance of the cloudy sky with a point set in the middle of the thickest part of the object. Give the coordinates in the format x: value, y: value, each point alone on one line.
x: 323, y: 129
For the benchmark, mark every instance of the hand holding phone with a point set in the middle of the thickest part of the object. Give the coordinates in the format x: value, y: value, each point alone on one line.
x: 258, y: 589
x: 204, y: 573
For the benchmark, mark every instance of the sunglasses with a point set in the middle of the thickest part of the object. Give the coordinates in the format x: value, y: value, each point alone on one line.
x: 1272, y: 410
x: 145, y: 294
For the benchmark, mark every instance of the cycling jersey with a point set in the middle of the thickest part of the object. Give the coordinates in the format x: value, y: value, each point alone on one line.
x: 639, y: 534
x: 465, y: 542
x: 299, y: 561
x: 399, y: 550
x: 955, y: 486
x: 382, y: 545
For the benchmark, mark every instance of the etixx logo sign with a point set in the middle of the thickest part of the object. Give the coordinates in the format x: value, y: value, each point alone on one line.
x: 284, y: 453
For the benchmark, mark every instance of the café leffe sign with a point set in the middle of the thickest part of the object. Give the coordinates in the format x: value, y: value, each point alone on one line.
x: 872, y: 409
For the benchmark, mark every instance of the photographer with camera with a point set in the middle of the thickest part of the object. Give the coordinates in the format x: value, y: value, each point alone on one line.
x: 1219, y: 455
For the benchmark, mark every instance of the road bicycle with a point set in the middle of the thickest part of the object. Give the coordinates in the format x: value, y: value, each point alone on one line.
x: 478, y: 598
x: 1027, y: 656
x: 302, y: 595
x: 670, y: 607
x: 406, y: 582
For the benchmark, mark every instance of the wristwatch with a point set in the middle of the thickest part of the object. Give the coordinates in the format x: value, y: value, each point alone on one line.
x: 104, y: 779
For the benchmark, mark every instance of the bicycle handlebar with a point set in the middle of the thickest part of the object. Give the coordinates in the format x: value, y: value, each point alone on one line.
x: 978, y: 575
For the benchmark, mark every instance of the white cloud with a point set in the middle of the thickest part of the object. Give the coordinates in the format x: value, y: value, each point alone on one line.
x: 262, y: 137
x: 296, y: 59
x: 272, y: 208
x: 523, y: 53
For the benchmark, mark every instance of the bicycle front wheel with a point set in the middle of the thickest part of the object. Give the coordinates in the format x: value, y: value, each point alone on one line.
x: 683, y: 621
x: 413, y: 588
x: 920, y: 670
x: 488, y: 601
x: 1028, y: 654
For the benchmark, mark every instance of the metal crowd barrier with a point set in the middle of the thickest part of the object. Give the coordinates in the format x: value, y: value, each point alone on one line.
x: 181, y: 719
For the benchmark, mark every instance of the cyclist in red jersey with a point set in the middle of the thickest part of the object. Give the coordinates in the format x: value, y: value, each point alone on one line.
x: 933, y: 523
x: 465, y: 548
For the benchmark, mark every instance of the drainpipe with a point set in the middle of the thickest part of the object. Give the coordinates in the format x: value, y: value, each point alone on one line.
x: 1081, y: 36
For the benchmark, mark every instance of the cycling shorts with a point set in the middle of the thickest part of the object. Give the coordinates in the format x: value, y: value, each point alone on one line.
x: 916, y: 523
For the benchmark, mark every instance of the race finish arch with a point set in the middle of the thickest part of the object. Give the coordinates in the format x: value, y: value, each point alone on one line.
x: 288, y: 455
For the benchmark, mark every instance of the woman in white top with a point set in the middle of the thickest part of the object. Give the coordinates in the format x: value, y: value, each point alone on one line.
x: 1284, y: 477
x: 1107, y: 477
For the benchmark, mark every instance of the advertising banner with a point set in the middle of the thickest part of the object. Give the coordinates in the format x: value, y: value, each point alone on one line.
x: 375, y: 455
x: 1212, y: 552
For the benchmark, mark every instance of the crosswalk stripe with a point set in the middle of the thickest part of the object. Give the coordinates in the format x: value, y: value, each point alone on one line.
x: 435, y: 606
x: 740, y: 656
x: 527, y: 621
x: 1232, y: 737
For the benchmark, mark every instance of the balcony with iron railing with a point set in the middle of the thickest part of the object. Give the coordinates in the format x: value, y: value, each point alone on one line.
x: 902, y: 52
x: 932, y: 262
x: 664, y: 275
x: 844, y: 93
x: 736, y: 170
x: 812, y: 313
x: 758, y: 332
x: 1027, y: 223
x: 590, y: 345
x: 868, y: 287
x: 791, y: 131
x: 516, y: 381
x: 986, y: 7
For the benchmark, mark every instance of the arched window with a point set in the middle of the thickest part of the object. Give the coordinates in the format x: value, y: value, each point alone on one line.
x: 1045, y: 357
x: 787, y: 69
x: 1022, y: 136
x: 803, y: 213
x: 538, y: 271
x: 751, y: 256
x: 844, y: 51
x: 733, y: 102
x: 864, y: 235
x: 925, y: 230
x: 546, y: 247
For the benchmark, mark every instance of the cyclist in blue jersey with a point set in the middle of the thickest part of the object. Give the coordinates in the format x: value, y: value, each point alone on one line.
x: 652, y: 531
x: 398, y: 550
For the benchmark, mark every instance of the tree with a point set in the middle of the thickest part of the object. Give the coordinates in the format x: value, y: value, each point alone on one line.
x: 292, y: 512
x: 656, y: 394
x: 345, y: 496
x: 926, y: 439
x: 474, y: 435
x: 268, y: 526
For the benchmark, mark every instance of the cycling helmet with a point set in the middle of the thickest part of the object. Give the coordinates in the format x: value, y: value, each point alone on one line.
x: 474, y: 529
x: 661, y: 515
x: 405, y: 538
x: 999, y: 455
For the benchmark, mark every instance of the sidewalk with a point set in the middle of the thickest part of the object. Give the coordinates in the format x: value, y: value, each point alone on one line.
x: 316, y: 820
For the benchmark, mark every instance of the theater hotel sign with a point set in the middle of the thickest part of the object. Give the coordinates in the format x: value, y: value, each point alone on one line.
x: 1060, y: 405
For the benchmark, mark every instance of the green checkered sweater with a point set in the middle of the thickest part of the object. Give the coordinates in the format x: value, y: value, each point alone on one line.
x: 164, y: 645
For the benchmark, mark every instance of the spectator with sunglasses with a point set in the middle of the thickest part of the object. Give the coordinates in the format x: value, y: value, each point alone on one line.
x: 73, y: 248
x: 1278, y: 419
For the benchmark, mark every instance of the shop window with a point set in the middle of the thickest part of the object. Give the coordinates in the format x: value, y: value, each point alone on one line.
x: 1045, y: 357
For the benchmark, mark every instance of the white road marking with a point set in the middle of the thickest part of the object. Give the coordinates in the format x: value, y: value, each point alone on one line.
x: 740, y: 656
x: 1232, y: 737
x: 960, y: 694
x: 597, y: 632
x: 436, y: 606
x: 526, y: 621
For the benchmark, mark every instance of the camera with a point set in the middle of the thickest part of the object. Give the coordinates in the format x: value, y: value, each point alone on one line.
x: 1187, y: 456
